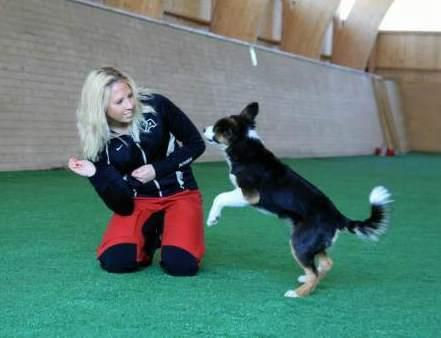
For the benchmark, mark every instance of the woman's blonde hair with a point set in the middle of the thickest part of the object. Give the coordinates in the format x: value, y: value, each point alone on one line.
x: 91, y: 112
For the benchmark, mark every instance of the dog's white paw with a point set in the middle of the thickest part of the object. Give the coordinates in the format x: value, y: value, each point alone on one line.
x: 301, y: 279
x: 212, y: 221
x: 213, y: 216
x: 291, y: 294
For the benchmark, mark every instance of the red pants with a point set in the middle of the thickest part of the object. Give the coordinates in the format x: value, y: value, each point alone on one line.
x: 183, y: 224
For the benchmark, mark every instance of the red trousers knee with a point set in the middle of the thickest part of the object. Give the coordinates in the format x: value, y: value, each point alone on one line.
x: 183, y: 224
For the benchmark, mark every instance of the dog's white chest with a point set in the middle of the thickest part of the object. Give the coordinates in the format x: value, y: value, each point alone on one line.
x: 233, y: 180
x: 232, y: 176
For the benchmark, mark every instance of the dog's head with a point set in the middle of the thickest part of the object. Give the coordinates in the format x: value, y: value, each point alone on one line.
x: 231, y: 129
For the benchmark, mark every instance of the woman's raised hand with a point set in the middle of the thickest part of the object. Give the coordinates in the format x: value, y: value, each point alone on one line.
x: 81, y: 167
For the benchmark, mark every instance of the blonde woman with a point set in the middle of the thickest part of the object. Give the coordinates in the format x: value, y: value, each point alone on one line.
x: 138, y: 149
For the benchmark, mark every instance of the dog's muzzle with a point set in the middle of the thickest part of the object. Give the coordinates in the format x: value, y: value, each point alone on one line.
x: 210, y: 135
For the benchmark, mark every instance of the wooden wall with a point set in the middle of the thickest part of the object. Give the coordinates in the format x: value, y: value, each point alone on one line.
x: 413, y: 59
x: 48, y: 46
x: 409, y: 50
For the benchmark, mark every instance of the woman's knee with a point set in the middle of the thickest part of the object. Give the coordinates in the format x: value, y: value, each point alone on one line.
x: 178, y: 262
x: 119, y: 258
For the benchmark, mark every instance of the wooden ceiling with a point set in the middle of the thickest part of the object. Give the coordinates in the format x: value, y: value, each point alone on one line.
x: 294, y: 26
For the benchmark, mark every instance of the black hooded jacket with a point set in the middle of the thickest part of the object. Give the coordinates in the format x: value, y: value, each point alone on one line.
x: 169, y: 141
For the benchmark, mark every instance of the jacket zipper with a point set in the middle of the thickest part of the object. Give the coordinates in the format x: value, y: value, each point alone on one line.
x: 144, y: 157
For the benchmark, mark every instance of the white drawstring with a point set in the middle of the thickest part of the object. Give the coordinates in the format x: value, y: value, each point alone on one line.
x: 144, y: 157
x: 107, y: 153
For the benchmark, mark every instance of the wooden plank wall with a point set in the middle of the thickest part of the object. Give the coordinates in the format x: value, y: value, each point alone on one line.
x: 413, y: 59
x: 390, y: 113
x: 396, y: 115
x: 423, y: 114
x: 409, y: 50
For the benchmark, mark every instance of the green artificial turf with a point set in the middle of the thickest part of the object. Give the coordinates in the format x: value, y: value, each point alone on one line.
x: 51, y: 285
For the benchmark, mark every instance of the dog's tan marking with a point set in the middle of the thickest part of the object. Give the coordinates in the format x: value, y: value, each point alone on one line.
x: 252, y: 196
x: 222, y: 139
x: 311, y: 282
x: 325, y: 264
x: 311, y: 279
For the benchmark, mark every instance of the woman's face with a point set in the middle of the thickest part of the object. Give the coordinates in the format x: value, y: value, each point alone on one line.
x: 121, y: 106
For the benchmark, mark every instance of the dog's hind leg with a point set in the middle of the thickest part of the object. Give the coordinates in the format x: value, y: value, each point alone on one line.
x: 306, y: 288
x: 302, y: 278
x: 325, y: 263
x: 232, y: 198
x: 311, y: 276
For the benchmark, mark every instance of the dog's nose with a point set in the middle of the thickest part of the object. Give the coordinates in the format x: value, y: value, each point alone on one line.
x: 204, y: 129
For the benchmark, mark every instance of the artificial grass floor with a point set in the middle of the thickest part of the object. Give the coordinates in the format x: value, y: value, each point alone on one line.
x: 51, y: 285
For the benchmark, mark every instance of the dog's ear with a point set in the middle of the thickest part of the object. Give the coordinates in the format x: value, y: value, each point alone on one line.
x: 251, y: 111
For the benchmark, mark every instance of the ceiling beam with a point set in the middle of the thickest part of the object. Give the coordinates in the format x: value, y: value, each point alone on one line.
x: 304, y: 24
x: 151, y: 8
x: 355, y: 38
x: 238, y: 19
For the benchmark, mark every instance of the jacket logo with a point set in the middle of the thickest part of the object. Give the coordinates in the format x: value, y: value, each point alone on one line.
x: 146, y: 126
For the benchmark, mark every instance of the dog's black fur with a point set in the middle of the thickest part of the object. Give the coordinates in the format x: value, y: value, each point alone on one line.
x: 268, y: 184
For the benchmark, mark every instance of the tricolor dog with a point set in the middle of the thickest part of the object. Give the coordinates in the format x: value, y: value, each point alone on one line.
x: 264, y: 182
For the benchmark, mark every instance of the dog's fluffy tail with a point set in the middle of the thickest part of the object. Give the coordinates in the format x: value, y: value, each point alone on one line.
x: 377, y: 223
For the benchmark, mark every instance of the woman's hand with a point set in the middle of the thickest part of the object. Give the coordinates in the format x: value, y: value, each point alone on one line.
x: 145, y: 173
x: 81, y: 167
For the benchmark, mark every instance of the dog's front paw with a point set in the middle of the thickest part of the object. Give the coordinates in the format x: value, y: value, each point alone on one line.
x: 214, y: 214
x: 212, y: 220
x: 291, y: 294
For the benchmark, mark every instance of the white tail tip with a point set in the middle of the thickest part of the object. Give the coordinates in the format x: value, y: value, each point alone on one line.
x: 380, y: 196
